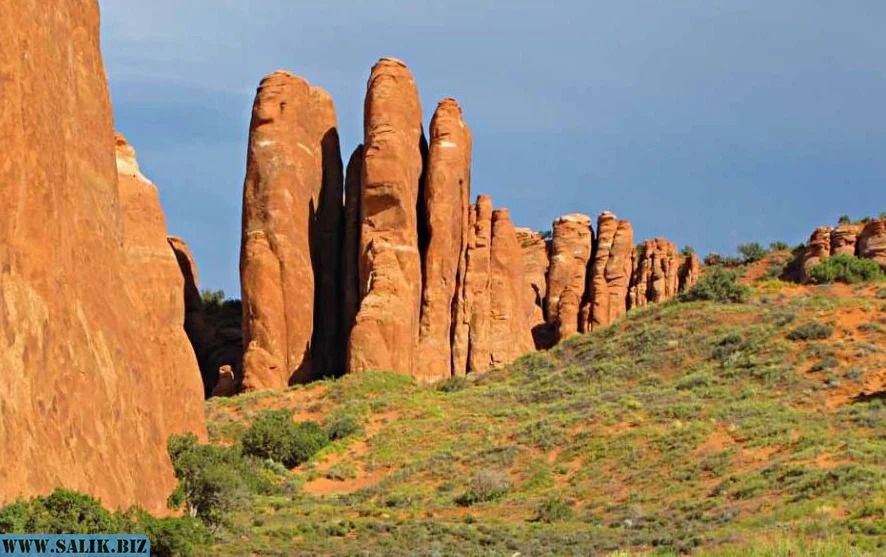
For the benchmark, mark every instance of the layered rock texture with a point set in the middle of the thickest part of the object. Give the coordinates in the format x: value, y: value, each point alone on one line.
x: 290, y: 258
x: 97, y: 371
x: 426, y: 283
x: 865, y: 239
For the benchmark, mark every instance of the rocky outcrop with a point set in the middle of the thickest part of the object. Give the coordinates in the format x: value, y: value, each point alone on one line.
x: 446, y: 205
x: 96, y: 375
x: 471, y: 346
x: 843, y: 239
x: 690, y: 270
x: 818, y: 248
x: 289, y: 256
x: 510, y: 333
x: 215, y: 329
x: 655, y: 272
x: 534, y: 252
x: 385, y: 330
x: 571, y: 241
x: 610, y: 271
x: 872, y: 242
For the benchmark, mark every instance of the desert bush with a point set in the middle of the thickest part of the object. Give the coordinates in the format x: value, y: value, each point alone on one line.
x: 486, y: 485
x: 845, y: 268
x: 453, y: 384
x: 553, y: 510
x: 173, y: 537
x: 275, y: 436
x: 341, y: 424
x: 61, y: 512
x: 778, y: 245
x: 751, y: 252
x: 718, y: 285
x: 812, y: 330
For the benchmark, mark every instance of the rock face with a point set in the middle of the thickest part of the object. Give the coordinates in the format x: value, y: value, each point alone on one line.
x: 571, y: 241
x: 610, y: 273
x: 385, y: 330
x: 471, y: 347
x: 690, y: 270
x: 446, y: 201
x: 351, y: 243
x: 872, y: 242
x: 510, y: 333
x: 534, y: 252
x: 656, y: 272
x: 843, y: 239
x: 289, y: 256
x: 818, y: 248
x: 95, y: 376
x: 215, y: 331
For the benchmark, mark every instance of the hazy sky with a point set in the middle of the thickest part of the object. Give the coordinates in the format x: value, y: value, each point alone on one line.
x: 708, y: 122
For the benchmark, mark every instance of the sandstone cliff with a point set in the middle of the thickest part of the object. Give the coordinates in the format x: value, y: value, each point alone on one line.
x: 571, y: 243
x: 96, y: 373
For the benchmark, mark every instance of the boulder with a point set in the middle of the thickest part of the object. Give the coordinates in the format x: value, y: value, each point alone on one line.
x: 289, y: 255
x: 872, y: 242
x: 446, y: 205
x: 97, y: 370
x: 385, y: 330
x: 571, y: 241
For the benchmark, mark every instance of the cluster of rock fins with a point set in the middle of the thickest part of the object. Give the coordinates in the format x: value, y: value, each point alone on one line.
x: 388, y: 264
x: 867, y: 240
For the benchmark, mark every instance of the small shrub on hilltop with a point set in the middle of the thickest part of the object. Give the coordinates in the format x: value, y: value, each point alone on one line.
x: 717, y: 285
x: 846, y: 268
x: 275, y: 436
x: 751, y: 252
x: 811, y: 331
x: 778, y: 245
x: 486, y: 485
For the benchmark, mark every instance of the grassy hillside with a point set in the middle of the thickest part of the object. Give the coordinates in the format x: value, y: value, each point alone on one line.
x: 755, y: 428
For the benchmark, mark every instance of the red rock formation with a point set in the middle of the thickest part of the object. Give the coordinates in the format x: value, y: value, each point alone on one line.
x: 872, y: 242
x: 215, y: 332
x: 610, y: 272
x: 690, y: 270
x: 351, y: 242
x: 291, y: 216
x: 843, y: 239
x: 817, y: 250
x: 94, y: 378
x: 510, y: 333
x: 446, y: 198
x: 226, y: 385
x: 385, y: 331
x: 472, y: 336
x: 534, y: 251
x: 656, y: 272
x: 570, y: 252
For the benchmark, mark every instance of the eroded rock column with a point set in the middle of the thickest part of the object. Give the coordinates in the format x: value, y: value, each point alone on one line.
x: 570, y: 251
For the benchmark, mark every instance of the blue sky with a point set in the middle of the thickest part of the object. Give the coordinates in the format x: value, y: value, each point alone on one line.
x: 709, y: 122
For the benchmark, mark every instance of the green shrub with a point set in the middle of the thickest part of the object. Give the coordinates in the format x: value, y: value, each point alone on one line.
x: 212, y: 480
x: 486, y: 485
x: 453, y: 384
x: 553, y: 510
x: 811, y: 331
x: 339, y: 425
x: 751, y: 252
x: 273, y: 435
x: 718, y: 285
x: 881, y: 294
x: 778, y: 245
x: 845, y: 268
x: 61, y: 512
x: 174, y: 537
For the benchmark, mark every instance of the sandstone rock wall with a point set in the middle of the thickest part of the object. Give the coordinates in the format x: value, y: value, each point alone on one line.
x: 94, y: 378
x: 818, y: 248
x: 446, y: 205
x: 610, y: 271
x: 534, y: 252
x: 872, y: 242
x: 291, y: 232
x: 571, y: 242
x: 385, y: 330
